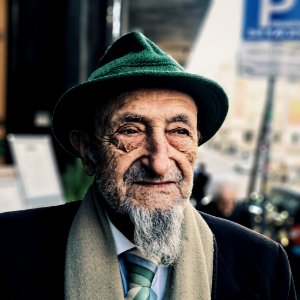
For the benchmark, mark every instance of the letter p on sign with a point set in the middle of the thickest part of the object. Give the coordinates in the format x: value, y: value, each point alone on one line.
x: 269, y: 7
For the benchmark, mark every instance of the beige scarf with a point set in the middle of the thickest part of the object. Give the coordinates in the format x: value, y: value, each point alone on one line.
x: 92, y: 268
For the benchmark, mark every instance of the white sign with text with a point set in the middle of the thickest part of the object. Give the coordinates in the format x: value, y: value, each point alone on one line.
x: 270, y: 38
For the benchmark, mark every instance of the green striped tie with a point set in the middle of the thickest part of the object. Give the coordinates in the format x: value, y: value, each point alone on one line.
x: 140, y: 273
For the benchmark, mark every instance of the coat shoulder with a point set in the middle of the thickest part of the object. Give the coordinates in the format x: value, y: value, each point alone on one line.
x: 29, y: 226
x: 230, y: 233
x: 253, y: 263
x: 32, y: 251
x: 57, y: 214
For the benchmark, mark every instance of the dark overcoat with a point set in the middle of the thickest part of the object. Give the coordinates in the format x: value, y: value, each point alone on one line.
x: 33, y: 245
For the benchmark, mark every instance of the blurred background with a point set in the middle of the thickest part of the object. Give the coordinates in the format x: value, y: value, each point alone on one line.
x: 248, y: 172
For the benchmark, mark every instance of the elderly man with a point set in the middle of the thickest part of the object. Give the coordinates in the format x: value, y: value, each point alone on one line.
x: 136, y: 125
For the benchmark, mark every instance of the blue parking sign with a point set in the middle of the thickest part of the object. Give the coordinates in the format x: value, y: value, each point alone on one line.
x: 271, y: 20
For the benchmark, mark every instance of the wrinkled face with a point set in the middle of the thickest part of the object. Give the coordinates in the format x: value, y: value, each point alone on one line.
x: 149, y: 150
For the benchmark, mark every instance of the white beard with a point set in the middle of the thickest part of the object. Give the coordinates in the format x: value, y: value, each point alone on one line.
x: 158, y: 232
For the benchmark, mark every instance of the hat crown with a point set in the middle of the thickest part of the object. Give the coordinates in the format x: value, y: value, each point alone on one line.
x: 132, y: 50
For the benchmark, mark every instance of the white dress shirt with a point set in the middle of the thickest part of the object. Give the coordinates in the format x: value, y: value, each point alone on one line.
x: 123, y: 244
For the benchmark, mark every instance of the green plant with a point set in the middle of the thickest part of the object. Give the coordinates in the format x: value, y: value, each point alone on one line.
x: 75, y: 181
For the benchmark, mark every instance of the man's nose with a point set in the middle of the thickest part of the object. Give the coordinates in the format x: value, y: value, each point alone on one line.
x: 157, y: 159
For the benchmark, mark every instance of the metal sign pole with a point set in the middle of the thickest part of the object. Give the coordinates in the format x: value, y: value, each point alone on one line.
x: 267, y: 140
x: 263, y: 143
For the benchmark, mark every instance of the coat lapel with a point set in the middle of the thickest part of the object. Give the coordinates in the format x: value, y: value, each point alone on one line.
x: 225, y: 286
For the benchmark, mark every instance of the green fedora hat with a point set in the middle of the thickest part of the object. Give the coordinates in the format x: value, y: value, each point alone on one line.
x: 133, y: 62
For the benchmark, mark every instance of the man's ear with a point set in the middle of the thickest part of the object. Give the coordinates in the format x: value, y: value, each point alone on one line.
x: 199, y: 136
x: 80, y: 141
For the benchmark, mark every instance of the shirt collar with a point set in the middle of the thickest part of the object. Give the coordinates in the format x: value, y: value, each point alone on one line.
x: 121, y: 241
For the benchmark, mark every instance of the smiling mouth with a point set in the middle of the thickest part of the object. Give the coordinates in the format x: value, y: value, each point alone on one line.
x: 154, y: 183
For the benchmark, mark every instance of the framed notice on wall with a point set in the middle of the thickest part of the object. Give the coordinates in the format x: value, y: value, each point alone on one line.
x: 34, y: 158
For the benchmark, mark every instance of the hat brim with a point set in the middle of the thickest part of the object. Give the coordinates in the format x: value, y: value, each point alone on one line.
x: 77, y: 105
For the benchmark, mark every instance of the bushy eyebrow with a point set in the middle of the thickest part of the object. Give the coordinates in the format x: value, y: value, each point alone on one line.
x: 181, y: 118
x: 129, y: 117
x: 136, y: 118
x: 123, y: 118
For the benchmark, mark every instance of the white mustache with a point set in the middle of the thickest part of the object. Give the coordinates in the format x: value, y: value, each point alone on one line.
x: 143, y: 174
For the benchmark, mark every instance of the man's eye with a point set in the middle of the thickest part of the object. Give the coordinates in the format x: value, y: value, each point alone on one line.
x: 181, y: 131
x: 128, y: 131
